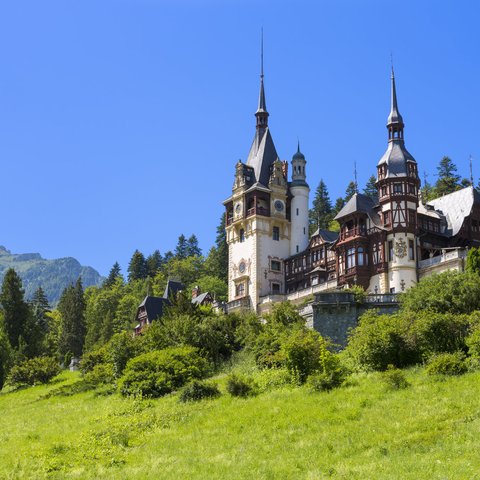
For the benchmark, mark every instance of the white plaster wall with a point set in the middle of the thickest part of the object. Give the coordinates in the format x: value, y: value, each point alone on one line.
x: 299, y: 222
x: 401, y: 268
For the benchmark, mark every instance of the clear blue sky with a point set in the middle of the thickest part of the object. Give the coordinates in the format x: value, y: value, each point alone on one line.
x: 121, y: 120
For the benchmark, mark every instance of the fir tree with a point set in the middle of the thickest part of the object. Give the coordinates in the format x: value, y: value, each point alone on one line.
x: 350, y: 191
x: 181, y: 248
x: 427, y: 190
x: 216, y: 263
x: 320, y: 214
x: 16, y: 312
x: 339, y: 204
x: 137, y: 268
x: 168, y: 256
x: 40, y: 308
x: 370, y: 189
x: 192, y: 248
x: 448, y: 179
x: 115, y: 272
x: 154, y: 263
x: 72, y: 324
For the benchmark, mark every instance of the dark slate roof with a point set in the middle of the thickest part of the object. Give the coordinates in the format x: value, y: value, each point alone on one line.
x: 172, y: 288
x: 198, y: 300
x: 262, y: 155
x: 359, y: 203
x: 154, y: 306
x: 327, y: 235
x: 456, y: 207
x: 396, y: 158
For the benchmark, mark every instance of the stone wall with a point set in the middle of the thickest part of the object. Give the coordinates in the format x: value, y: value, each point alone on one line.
x: 334, y: 314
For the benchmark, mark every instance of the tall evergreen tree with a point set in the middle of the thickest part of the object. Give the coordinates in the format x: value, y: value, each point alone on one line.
x: 40, y: 308
x: 72, y: 324
x: 339, y: 204
x: 114, y: 273
x: 350, y: 191
x: 448, y: 179
x: 154, y: 263
x: 16, y: 311
x: 370, y: 189
x: 137, y: 268
x: 216, y: 263
x: 168, y: 256
x: 320, y: 214
x: 426, y: 190
x: 192, y: 248
x: 181, y: 248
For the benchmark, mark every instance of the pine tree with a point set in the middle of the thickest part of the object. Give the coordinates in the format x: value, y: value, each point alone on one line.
x: 427, y: 190
x: 16, y: 311
x: 339, y: 204
x: 72, y: 324
x: 370, y: 189
x: 448, y: 179
x: 181, y: 248
x: 40, y: 308
x: 137, y: 268
x: 350, y: 191
x: 216, y: 263
x: 320, y: 214
x: 168, y: 256
x: 154, y: 263
x: 192, y: 248
x: 115, y: 272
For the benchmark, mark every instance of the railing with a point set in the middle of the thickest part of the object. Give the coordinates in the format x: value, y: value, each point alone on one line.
x: 239, y: 303
x: 353, y: 232
x: 258, y: 211
x: 311, y: 290
x: 445, y: 257
x: 381, y: 298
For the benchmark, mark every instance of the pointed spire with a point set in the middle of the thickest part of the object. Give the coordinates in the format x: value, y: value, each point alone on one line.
x: 395, y: 121
x: 261, y: 113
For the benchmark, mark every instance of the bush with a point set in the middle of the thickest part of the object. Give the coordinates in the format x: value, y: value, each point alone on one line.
x: 240, y: 385
x: 101, y: 374
x: 381, y: 340
x: 198, y: 390
x: 473, y: 343
x: 325, y: 381
x: 34, y: 371
x: 447, y: 364
x: 160, y: 372
x: 121, y: 348
x: 91, y: 359
x: 394, y: 379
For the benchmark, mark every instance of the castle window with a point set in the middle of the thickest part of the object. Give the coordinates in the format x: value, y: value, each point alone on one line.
x: 411, y: 250
x: 276, y: 233
x: 411, y: 188
x: 297, y: 248
x: 384, y: 191
x: 361, y: 256
x: 351, y: 258
x: 376, y: 253
x: 297, y: 212
x: 240, y: 290
x: 304, y: 230
x: 390, y: 251
x: 386, y: 218
x: 397, y: 188
x: 242, y: 235
x: 275, y: 288
x: 275, y: 266
x: 411, y: 216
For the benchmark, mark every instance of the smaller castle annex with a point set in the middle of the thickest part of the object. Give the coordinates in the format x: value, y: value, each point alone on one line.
x: 385, y: 246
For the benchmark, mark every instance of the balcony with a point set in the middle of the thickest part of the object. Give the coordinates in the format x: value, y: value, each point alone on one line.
x: 458, y: 254
x: 238, y: 304
x: 258, y: 211
x: 377, y: 298
x: 229, y: 220
x: 352, y: 233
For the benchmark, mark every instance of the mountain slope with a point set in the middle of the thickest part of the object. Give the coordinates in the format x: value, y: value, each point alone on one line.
x: 52, y: 275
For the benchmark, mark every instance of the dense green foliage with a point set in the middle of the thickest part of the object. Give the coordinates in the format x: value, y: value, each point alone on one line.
x: 198, y: 390
x: 6, y: 356
x: 239, y: 385
x: 447, y: 364
x: 472, y: 264
x: 394, y: 378
x: 157, y: 373
x: 320, y: 215
x: 33, y: 371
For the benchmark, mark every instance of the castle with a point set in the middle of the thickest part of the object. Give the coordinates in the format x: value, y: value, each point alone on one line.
x: 384, y: 246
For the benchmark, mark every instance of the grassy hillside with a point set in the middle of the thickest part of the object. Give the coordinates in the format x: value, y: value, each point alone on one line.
x: 427, y: 431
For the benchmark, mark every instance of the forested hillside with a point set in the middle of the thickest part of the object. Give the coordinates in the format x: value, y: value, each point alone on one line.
x: 52, y: 275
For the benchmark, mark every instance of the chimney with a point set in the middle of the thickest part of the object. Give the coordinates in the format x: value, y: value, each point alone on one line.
x: 195, y: 292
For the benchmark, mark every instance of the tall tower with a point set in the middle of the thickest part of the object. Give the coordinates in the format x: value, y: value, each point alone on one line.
x: 299, y: 203
x: 258, y: 219
x: 398, y: 187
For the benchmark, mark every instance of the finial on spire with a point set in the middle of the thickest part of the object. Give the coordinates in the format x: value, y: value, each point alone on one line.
x: 261, y: 57
x: 298, y: 145
x: 355, y: 175
x: 261, y: 113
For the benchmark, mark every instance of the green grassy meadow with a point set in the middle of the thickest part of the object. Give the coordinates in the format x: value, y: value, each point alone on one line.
x: 362, y: 431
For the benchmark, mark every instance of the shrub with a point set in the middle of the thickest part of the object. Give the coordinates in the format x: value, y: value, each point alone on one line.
x: 198, y: 390
x: 324, y: 381
x: 381, y: 340
x: 101, y: 374
x: 160, y: 372
x: 121, y: 348
x: 394, y: 379
x: 473, y: 343
x: 240, y: 385
x: 91, y: 359
x: 447, y: 364
x: 34, y: 371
